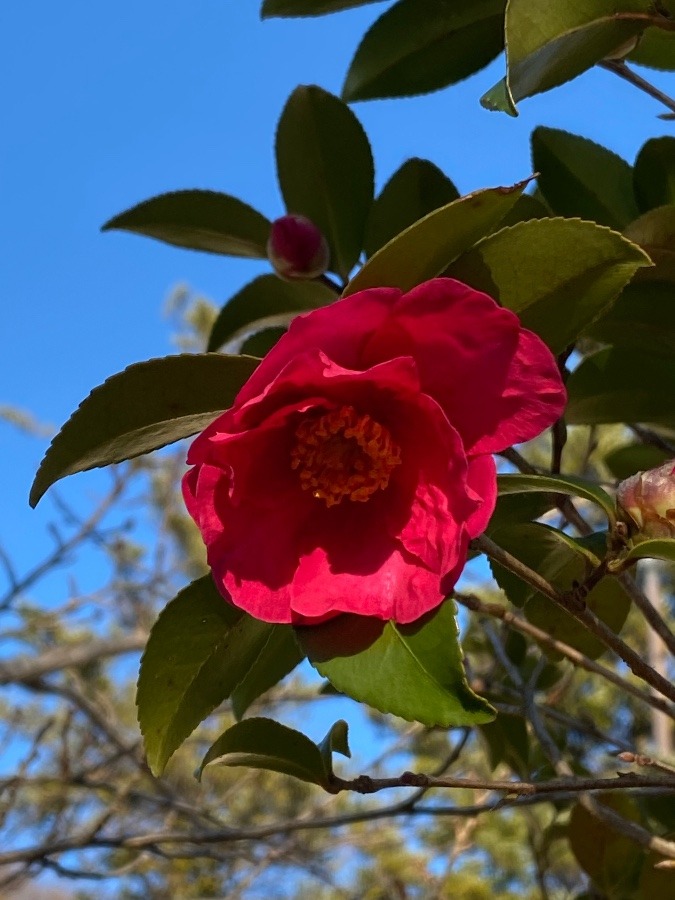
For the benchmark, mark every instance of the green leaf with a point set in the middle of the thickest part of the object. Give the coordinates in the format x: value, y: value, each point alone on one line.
x: 654, y: 231
x: 660, y: 548
x: 549, y: 44
x: 507, y: 741
x: 279, y: 656
x: 417, y: 188
x: 325, y: 170
x: 198, y: 651
x: 198, y: 220
x: 654, y: 171
x: 336, y: 741
x: 424, y: 249
x: 643, y: 318
x: 557, y: 484
x: 580, y: 178
x: 266, y: 744
x: 558, y: 275
x: 612, y: 860
x: 526, y: 207
x: 656, y: 48
x: 413, y: 671
x: 619, y: 384
x: 145, y: 407
x: 266, y: 295
x: 289, y: 8
x: 418, y: 46
x: 563, y: 562
x: 626, y: 461
x: 261, y: 341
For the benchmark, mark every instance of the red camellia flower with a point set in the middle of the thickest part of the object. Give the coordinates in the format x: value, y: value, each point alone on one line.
x: 355, y: 465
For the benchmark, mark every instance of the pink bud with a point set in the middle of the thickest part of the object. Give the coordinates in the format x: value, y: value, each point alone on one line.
x: 296, y: 248
x: 648, y: 501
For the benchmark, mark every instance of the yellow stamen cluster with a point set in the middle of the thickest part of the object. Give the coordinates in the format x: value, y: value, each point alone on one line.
x: 344, y: 454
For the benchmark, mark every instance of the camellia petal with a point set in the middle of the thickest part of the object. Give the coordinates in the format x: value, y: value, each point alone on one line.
x: 355, y: 467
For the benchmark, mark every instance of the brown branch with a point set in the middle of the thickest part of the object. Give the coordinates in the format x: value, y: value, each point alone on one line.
x: 618, y: 67
x: 574, y: 656
x: 580, y: 612
x: 26, y: 668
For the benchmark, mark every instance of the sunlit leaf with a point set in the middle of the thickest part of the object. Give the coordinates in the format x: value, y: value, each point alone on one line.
x: 424, y: 249
x: 557, y: 484
x: 413, y: 671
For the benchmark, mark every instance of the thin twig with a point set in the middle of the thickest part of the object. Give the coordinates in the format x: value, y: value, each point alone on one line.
x: 580, y: 612
x: 618, y: 67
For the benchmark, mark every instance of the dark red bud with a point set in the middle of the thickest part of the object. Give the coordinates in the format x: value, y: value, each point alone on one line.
x: 296, y: 248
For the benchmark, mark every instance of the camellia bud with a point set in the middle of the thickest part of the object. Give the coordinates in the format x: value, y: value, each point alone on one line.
x: 296, y: 248
x: 648, y: 501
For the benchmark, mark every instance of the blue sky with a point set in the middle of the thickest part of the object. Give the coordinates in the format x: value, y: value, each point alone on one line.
x: 108, y: 104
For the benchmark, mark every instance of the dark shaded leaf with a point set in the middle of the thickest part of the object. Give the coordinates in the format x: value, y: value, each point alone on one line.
x: 626, y: 461
x: 325, y: 170
x: 418, y: 46
x: 198, y: 220
x: 145, y: 407
x: 266, y: 295
x: 198, y: 651
x: 417, y: 188
x: 654, y: 171
x: 580, y: 178
x: 643, y: 318
x: 619, y: 384
x: 557, y: 484
x: 655, y: 49
x: 279, y: 656
x: 289, y: 8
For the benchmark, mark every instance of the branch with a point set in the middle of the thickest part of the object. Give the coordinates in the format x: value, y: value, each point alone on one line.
x: 25, y: 668
x: 621, y: 69
x: 574, y: 656
x: 578, y: 609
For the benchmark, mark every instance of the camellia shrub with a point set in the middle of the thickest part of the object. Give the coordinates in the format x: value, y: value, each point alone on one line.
x: 362, y: 414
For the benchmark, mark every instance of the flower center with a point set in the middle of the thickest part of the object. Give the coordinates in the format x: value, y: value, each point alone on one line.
x: 344, y: 454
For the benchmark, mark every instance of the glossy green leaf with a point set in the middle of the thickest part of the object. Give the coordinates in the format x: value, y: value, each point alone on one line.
x: 548, y: 44
x: 643, y: 318
x: 619, y: 384
x: 417, y: 188
x: 424, y: 249
x: 558, y: 275
x: 265, y: 744
x: 260, y: 342
x: 654, y: 231
x: 413, y: 671
x: 198, y: 220
x: 563, y: 562
x: 557, y: 484
x: 266, y: 295
x: 279, y: 656
x: 145, y: 407
x: 580, y: 178
x: 511, y: 508
x: 626, y: 461
x: 418, y: 46
x: 658, y: 548
x: 654, y: 171
x: 656, y: 49
x: 325, y: 170
x: 198, y: 651
x: 289, y: 8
